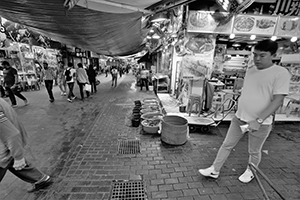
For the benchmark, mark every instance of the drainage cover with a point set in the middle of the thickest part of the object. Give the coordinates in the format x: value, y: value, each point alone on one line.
x: 129, y: 147
x: 128, y: 190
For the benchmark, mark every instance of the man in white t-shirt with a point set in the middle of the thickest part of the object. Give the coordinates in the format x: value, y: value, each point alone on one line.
x: 265, y: 87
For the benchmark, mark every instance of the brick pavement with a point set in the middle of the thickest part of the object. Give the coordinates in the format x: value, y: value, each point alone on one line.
x: 87, y: 160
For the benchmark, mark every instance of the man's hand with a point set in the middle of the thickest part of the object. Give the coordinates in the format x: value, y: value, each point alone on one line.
x: 19, y: 164
x: 253, y: 126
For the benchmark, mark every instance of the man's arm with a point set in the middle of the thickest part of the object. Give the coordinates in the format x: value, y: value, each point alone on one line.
x: 274, y: 105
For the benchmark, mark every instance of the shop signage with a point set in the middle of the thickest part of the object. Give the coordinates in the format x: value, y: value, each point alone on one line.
x: 287, y: 7
x: 254, y: 24
x: 209, y: 22
x: 288, y: 26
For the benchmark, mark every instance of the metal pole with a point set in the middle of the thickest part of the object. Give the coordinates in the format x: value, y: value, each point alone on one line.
x: 254, y: 169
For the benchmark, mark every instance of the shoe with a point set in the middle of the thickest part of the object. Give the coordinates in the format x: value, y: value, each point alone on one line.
x: 73, y: 98
x: 209, y: 172
x: 51, y: 100
x: 247, y: 176
x: 65, y: 94
x: 69, y: 100
x: 14, y: 106
x: 26, y: 102
x: 43, y: 183
x: 62, y: 94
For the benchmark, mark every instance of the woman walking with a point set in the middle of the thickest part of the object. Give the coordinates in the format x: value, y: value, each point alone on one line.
x: 92, y: 78
x: 82, y: 79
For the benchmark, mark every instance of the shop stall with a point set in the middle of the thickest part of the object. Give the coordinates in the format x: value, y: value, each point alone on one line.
x: 218, y: 49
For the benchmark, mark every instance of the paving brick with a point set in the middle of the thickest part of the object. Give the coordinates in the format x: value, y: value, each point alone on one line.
x: 180, y: 186
x: 174, y: 194
x: 158, y: 195
x: 219, y: 197
x: 190, y: 192
x: 165, y: 187
x: 205, y: 191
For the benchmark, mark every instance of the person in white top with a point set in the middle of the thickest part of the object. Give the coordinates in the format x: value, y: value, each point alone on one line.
x: 82, y: 79
x: 265, y: 87
x: 70, y: 74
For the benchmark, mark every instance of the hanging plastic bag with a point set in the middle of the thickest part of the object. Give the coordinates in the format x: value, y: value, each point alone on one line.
x: 88, y: 88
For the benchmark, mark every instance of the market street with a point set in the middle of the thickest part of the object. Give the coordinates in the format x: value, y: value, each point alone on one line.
x: 77, y: 144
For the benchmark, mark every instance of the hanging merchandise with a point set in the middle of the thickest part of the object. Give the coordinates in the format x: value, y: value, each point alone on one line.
x: 26, y: 58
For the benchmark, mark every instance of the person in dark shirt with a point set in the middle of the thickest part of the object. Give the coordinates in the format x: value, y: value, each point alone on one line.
x: 92, y: 78
x: 10, y: 76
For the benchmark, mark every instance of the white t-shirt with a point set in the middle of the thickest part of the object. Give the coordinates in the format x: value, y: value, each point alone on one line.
x: 258, y: 90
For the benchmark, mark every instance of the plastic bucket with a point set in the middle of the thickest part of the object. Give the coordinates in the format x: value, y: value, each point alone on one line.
x: 174, y: 130
x: 135, y: 122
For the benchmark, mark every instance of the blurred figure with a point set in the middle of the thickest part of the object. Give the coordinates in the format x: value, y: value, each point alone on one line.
x: 70, y: 74
x: 48, y: 75
x: 13, y: 140
x: 82, y: 79
x: 114, y: 75
x: 144, y: 78
x: 61, y: 78
x: 92, y: 78
x: 10, y: 79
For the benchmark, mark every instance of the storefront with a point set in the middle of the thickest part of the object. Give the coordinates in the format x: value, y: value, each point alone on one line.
x: 218, y: 49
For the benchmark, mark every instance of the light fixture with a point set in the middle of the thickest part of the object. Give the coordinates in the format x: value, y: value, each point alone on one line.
x: 236, y: 45
x: 274, y: 38
x: 159, y: 17
x: 252, y: 37
x: 294, y: 39
x: 155, y: 36
x: 148, y: 37
x: 231, y: 36
x: 151, y: 31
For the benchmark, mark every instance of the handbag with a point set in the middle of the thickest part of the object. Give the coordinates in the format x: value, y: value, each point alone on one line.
x: 88, y: 88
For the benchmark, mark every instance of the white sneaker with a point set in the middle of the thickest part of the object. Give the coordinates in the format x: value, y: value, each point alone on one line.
x: 62, y: 94
x: 247, y: 176
x: 69, y: 100
x: 209, y: 172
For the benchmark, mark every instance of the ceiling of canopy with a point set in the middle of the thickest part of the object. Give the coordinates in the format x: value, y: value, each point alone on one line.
x: 102, y: 26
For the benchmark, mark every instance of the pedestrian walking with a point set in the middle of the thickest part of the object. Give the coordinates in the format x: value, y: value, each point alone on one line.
x: 82, y: 80
x: 265, y: 87
x: 70, y: 74
x: 144, y: 78
x: 13, y: 140
x: 114, y: 75
x: 10, y: 80
x: 91, y: 72
x: 48, y: 75
x: 61, y: 78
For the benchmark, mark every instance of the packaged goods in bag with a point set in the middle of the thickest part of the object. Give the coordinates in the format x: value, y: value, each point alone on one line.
x: 88, y: 88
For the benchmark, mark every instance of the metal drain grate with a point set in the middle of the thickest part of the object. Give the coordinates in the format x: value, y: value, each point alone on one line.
x: 128, y: 190
x: 129, y: 147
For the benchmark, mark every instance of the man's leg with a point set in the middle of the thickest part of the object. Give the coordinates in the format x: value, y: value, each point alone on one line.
x: 49, y: 86
x: 71, y: 89
x: 28, y: 174
x: 234, y: 134
x: 256, y: 142
x: 18, y: 94
x: 11, y: 95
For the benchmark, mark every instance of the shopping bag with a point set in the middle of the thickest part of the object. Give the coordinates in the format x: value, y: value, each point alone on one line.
x: 88, y: 87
